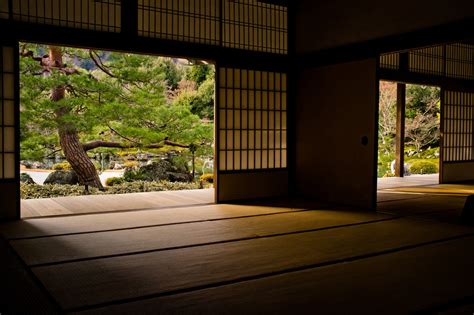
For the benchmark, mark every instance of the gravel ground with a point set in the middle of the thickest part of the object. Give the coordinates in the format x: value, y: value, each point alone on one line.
x: 39, y: 176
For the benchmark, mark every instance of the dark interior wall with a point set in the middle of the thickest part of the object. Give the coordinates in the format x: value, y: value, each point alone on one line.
x: 336, y: 108
x: 9, y: 201
x: 332, y: 23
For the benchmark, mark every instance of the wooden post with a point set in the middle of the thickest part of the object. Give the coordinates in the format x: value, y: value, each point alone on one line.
x: 400, y: 132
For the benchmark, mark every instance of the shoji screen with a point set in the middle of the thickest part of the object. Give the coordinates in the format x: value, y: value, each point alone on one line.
x: 242, y: 24
x: 99, y: 15
x: 251, y: 133
x: 457, y: 151
x: 8, y: 121
x: 453, y: 61
x: 183, y: 20
x: 254, y: 25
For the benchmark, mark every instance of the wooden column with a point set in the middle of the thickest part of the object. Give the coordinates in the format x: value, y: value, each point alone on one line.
x: 400, y: 132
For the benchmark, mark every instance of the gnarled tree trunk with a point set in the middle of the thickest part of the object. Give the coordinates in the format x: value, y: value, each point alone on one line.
x: 68, y: 137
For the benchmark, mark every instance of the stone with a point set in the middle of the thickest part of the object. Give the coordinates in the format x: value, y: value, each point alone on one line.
x: 161, y: 170
x: 25, y: 178
x: 406, y: 168
x: 62, y: 178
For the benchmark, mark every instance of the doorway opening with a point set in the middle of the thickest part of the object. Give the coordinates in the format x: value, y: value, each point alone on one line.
x: 409, y: 135
x: 96, y: 125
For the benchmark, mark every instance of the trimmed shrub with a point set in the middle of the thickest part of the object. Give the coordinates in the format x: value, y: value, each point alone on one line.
x: 130, y: 164
x: 209, y: 178
x: 423, y: 167
x: 145, y: 186
x: 63, y: 166
x: 111, y: 181
x: 33, y: 191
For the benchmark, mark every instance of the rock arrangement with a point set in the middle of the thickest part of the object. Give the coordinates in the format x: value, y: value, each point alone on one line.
x: 62, y: 178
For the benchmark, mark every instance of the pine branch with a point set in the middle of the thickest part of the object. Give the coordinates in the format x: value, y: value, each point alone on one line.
x: 98, y: 62
x: 107, y: 144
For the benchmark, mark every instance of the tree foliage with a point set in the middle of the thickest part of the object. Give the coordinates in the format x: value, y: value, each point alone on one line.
x: 111, y: 98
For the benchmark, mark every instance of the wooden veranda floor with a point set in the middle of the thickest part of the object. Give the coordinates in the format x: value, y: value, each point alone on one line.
x: 272, y: 257
x: 114, y: 203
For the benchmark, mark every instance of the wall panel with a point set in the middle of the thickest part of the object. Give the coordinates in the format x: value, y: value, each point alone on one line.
x: 337, y: 108
x: 334, y: 23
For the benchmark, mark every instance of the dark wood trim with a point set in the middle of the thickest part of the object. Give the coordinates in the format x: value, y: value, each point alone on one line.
x: 441, y: 137
x: 260, y: 170
x: 376, y: 137
x: 17, y: 129
x: 129, y: 18
x: 292, y: 90
x: 400, y: 131
x: 446, y: 33
x: 217, y: 139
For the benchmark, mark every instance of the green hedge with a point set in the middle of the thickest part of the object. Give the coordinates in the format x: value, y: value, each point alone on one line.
x: 33, y: 191
x: 423, y: 167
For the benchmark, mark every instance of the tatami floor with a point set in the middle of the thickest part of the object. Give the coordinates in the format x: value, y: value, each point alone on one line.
x: 412, y: 255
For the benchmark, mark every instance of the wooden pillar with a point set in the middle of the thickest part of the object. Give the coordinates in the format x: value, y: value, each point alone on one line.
x: 400, y: 130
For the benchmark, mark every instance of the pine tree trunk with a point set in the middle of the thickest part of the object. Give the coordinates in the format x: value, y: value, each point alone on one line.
x: 77, y: 157
x: 68, y: 136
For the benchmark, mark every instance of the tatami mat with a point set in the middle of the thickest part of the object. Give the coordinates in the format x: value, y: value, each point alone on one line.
x: 412, y: 280
x: 92, y: 283
x: 71, y: 247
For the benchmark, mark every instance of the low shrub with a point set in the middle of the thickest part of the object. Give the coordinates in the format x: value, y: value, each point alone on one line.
x: 33, y: 191
x: 423, y: 167
x: 63, y: 166
x: 145, y: 186
x: 134, y: 175
x: 111, y: 181
x: 130, y: 164
x: 209, y: 178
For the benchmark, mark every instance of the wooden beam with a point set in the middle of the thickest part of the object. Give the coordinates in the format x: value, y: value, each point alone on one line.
x: 400, y: 130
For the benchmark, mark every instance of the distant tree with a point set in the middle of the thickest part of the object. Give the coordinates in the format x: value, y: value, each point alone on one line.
x: 118, y: 102
x: 199, y: 72
x: 423, y: 114
x: 387, y: 115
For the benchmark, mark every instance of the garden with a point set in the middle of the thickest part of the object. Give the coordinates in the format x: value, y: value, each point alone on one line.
x: 101, y: 122
x: 422, y: 129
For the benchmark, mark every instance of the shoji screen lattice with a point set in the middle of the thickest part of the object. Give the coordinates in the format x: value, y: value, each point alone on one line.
x: 99, y: 15
x: 184, y: 20
x: 252, y: 120
x: 452, y: 60
x: 460, y: 61
x: 242, y: 24
x: 253, y: 25
x: 390, y: 61
x: 458, y: 122
x: 7, y: 114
